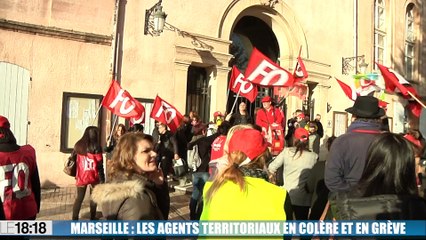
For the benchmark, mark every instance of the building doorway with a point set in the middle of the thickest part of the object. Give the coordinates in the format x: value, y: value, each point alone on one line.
x: 248, y: 33
x: 198, y: 92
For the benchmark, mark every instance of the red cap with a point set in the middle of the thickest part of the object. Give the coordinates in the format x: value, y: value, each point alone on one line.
x: 413, y: 140
x: 248, y: 141
x: 217, y: 113
x: 266, y: 99
x: 4, y: 123
x: 301, y: 115
x: 301, y: 134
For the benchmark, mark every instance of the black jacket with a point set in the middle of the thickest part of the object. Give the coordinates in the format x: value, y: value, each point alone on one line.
x: 204, y: 150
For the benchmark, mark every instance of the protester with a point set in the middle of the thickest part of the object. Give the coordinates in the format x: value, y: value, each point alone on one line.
x: 217, y: 153
x: 290, y: 128
x: 317, y: 187
x: 200, y: 174
x: 167, y: 149
x: 18, y: 165
x: 119, y: 131
x: 300, y: 120
x: 137, y: 127
x: 387, y: 189
x: 184, y: 136
x: 90, y: 169
x: 314, y: 138
x: 269, y: 118
x: 241, y: 191
x: 221, y: 163
x: 347, y: 157
x: 320, y: 129
x: 415, y: 139
x: 297, y: 162
x: 241, y: 116
x: 136, y: 188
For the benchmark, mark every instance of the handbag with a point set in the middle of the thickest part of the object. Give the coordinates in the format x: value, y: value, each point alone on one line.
x: 179, y: 167
x: 70, y: 167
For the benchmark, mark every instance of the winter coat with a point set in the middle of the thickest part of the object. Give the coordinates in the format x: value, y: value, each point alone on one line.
x: 133, y: 199
x: 238, y: 118
x: 167, y: 145
x: 347, y: 156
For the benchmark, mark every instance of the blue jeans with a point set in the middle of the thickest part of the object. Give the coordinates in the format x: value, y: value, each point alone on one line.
x: 195, y: 204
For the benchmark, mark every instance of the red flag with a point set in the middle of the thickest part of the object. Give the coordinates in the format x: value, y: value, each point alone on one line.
x: 383, y: 104
x: 299, y: 90
x: 121, y: 103
x: 415, y: 108
x: 351, y: 93
x: 263, y: 71
x: 164, y: 112
x: 300, y: 72
x: 394, y: 81
x: 237, y: 84
x: 140, y: 119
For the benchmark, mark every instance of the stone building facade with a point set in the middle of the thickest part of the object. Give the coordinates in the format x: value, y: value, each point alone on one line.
x: 57, y: 58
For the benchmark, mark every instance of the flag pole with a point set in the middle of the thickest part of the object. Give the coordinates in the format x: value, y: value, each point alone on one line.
x: 300, y: 50
x: 235, y: 102
x: 113, y: 126
x: 96, y: 115
x: 413, y: 96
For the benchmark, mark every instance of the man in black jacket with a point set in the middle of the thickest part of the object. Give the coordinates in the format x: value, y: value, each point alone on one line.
x: 200, y: 174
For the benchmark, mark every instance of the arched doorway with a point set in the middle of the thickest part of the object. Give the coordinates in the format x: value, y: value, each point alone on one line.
x: 250, y: 32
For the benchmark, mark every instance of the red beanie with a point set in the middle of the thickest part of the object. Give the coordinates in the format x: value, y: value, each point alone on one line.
x: 4, y: 123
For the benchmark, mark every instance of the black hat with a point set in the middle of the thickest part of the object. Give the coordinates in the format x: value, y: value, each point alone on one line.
x: 366, y: 107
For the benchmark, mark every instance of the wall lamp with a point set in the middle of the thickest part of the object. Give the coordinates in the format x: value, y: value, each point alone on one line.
x: 155, y: 19
x: 358, y: 63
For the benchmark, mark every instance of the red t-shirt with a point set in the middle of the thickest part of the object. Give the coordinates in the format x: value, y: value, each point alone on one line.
x: 87, y: 172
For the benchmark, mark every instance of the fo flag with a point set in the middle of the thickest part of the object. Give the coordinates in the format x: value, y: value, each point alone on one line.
x: 120, y: 103
x: 164, y: 112
x: 394, y: 82
x: 300, y: 72
x: 263, y: 71
x: 240, y: 86
x: 138, y: 119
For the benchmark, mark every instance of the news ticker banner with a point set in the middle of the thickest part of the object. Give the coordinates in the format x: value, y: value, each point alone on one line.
x: 213, y: 228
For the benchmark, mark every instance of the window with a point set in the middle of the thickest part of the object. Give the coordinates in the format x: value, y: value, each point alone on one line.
x: 379, y: 31
x: 409, y: 42
x: 198, y: 93
x: 340, y: 123
x: 78, y: 112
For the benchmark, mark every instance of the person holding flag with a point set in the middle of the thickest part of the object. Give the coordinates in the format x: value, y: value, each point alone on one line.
x: 270, y: 119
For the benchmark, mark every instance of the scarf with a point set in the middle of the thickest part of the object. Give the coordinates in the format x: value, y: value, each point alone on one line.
x: 254, y: 172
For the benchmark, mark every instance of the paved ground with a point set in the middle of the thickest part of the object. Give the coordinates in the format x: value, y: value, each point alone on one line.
x: 57, y: 203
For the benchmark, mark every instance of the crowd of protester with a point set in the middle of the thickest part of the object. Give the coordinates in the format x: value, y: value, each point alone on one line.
x: 235, y: 175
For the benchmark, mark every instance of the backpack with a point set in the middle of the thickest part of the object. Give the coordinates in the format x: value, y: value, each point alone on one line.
x: 194, y: 159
